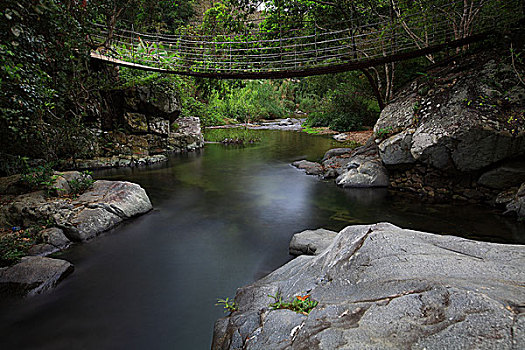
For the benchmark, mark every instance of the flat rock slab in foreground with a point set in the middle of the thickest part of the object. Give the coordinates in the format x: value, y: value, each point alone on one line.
x: 33, y: 275
x: 383, y: 287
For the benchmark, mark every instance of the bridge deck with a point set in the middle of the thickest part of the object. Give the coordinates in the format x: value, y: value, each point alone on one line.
x: 296, y: 73
x: 306, y: 51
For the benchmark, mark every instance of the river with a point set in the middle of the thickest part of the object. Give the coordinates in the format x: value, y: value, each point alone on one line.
x: 222, y: 219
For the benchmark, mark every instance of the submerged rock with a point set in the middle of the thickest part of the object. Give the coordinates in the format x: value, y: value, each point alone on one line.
x: 311, y: 168
x: 33, y: 275
x: 509, y: 174
x: 383, y: 287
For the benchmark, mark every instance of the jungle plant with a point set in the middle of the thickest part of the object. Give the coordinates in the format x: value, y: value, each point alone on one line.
x: 83, y: 184
x: 383, y: 132
x: 300, y: 304
x: 229, y: 305
x: 15, y: 244
x: 38, y: 177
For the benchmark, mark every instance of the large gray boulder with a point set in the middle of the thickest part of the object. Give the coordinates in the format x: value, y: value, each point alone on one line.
x: 383, y: 287
x: 364, y: 172
x: 101, y: 208
x: 455, y: 123
x: 396, y: 149
x: 97, y: 210
x: 33, y: 275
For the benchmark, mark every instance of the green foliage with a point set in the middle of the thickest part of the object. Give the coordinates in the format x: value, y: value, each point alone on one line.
x: 342, y: 111
x: 342, y: 102
x: 83, y: 184
x: 232, y: 135
x: 300, y: 304
x: 45, y: 86
x: 38, y: 177
x: 255, y: 101
x: 383, y: 132
x: 12, y: 249
x: 15, y: 244
x: 227, y: 304
x: 310, y: 130
x: 163, y: 16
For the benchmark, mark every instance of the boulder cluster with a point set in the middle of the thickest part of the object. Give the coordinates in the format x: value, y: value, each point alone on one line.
x: 457, y: 133
x: 73, y: 219
x: 142, y: 125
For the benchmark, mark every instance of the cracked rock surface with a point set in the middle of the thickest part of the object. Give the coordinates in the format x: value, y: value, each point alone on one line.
x: 383, y: 287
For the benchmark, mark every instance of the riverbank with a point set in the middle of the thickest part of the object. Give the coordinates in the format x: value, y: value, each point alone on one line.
x: 223, y: 218
x: 456, y: 134
x: 37, y: 224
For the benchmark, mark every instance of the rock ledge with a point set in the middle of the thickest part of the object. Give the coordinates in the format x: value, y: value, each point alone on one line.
x: 383, y: 287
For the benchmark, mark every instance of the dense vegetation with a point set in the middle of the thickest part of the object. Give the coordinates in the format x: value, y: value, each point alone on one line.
x: 50, y: 91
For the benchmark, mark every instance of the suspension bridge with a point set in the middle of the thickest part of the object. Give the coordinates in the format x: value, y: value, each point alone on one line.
x: 252, y: 53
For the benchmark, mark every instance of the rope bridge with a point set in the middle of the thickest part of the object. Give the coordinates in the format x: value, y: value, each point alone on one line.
x: 311, y: 50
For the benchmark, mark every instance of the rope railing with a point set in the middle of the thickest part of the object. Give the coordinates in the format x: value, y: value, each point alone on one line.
x: 262, y: 54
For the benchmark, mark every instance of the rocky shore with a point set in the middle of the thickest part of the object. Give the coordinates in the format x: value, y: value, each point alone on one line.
x: 383, y: 287
x: 288, y: 124
x: 67, y: 219
x: 456, y: 134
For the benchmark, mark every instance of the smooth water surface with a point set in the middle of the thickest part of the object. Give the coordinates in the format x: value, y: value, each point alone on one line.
x: 222, y: 219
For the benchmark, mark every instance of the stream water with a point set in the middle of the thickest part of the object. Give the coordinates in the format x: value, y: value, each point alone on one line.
x: 222, y: 219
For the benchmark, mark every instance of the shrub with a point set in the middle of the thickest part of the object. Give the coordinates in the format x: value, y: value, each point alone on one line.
x: 255, y: 101
x: 38, y: 177
x: 14, y: 245
x: 83, y: 184
x: 300, y: 304
x: 342, y: 111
